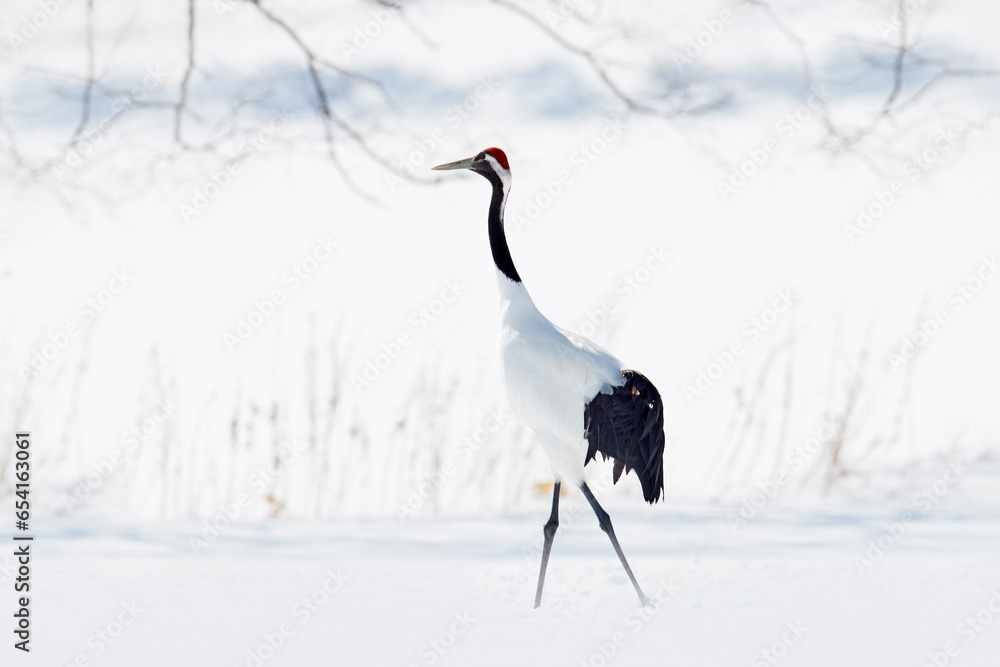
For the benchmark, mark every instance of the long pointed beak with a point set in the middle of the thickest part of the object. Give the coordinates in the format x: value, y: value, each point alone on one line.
x: 458, y: 164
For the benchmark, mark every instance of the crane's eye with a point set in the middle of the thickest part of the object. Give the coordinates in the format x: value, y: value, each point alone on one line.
x: 635, y: 392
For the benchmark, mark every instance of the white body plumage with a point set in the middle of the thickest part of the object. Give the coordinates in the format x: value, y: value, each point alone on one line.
x: 550, y: 375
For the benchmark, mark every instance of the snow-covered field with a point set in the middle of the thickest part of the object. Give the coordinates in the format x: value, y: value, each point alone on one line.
x: 796, y: 586
x: 821, y: 323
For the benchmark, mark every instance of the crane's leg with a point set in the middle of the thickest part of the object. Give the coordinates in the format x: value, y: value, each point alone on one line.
x: 550, y: 533
x: 605, y: 521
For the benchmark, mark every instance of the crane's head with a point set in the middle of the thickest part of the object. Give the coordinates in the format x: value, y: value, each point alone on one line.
x: 491, y: 163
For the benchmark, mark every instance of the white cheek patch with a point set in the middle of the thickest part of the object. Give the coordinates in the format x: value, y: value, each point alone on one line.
x: 504, y: 174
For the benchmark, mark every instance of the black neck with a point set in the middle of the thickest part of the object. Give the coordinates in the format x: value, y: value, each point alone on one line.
x: 498, y: 239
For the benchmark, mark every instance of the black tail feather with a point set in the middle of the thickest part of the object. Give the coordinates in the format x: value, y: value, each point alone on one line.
x: 627, y: 426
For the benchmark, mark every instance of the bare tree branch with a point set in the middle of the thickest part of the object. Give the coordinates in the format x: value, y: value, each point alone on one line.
x: 182, y: 99
x: 348, y: 133
x: 89, y: 85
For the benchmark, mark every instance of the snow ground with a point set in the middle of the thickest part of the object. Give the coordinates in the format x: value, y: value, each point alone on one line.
x: 653, y: 189
x: 459, y: 591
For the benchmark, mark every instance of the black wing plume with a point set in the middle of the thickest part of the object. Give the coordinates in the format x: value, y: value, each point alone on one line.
x: 627, y: 425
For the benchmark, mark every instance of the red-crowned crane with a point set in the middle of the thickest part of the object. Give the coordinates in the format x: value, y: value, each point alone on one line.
x: 579, y: 399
